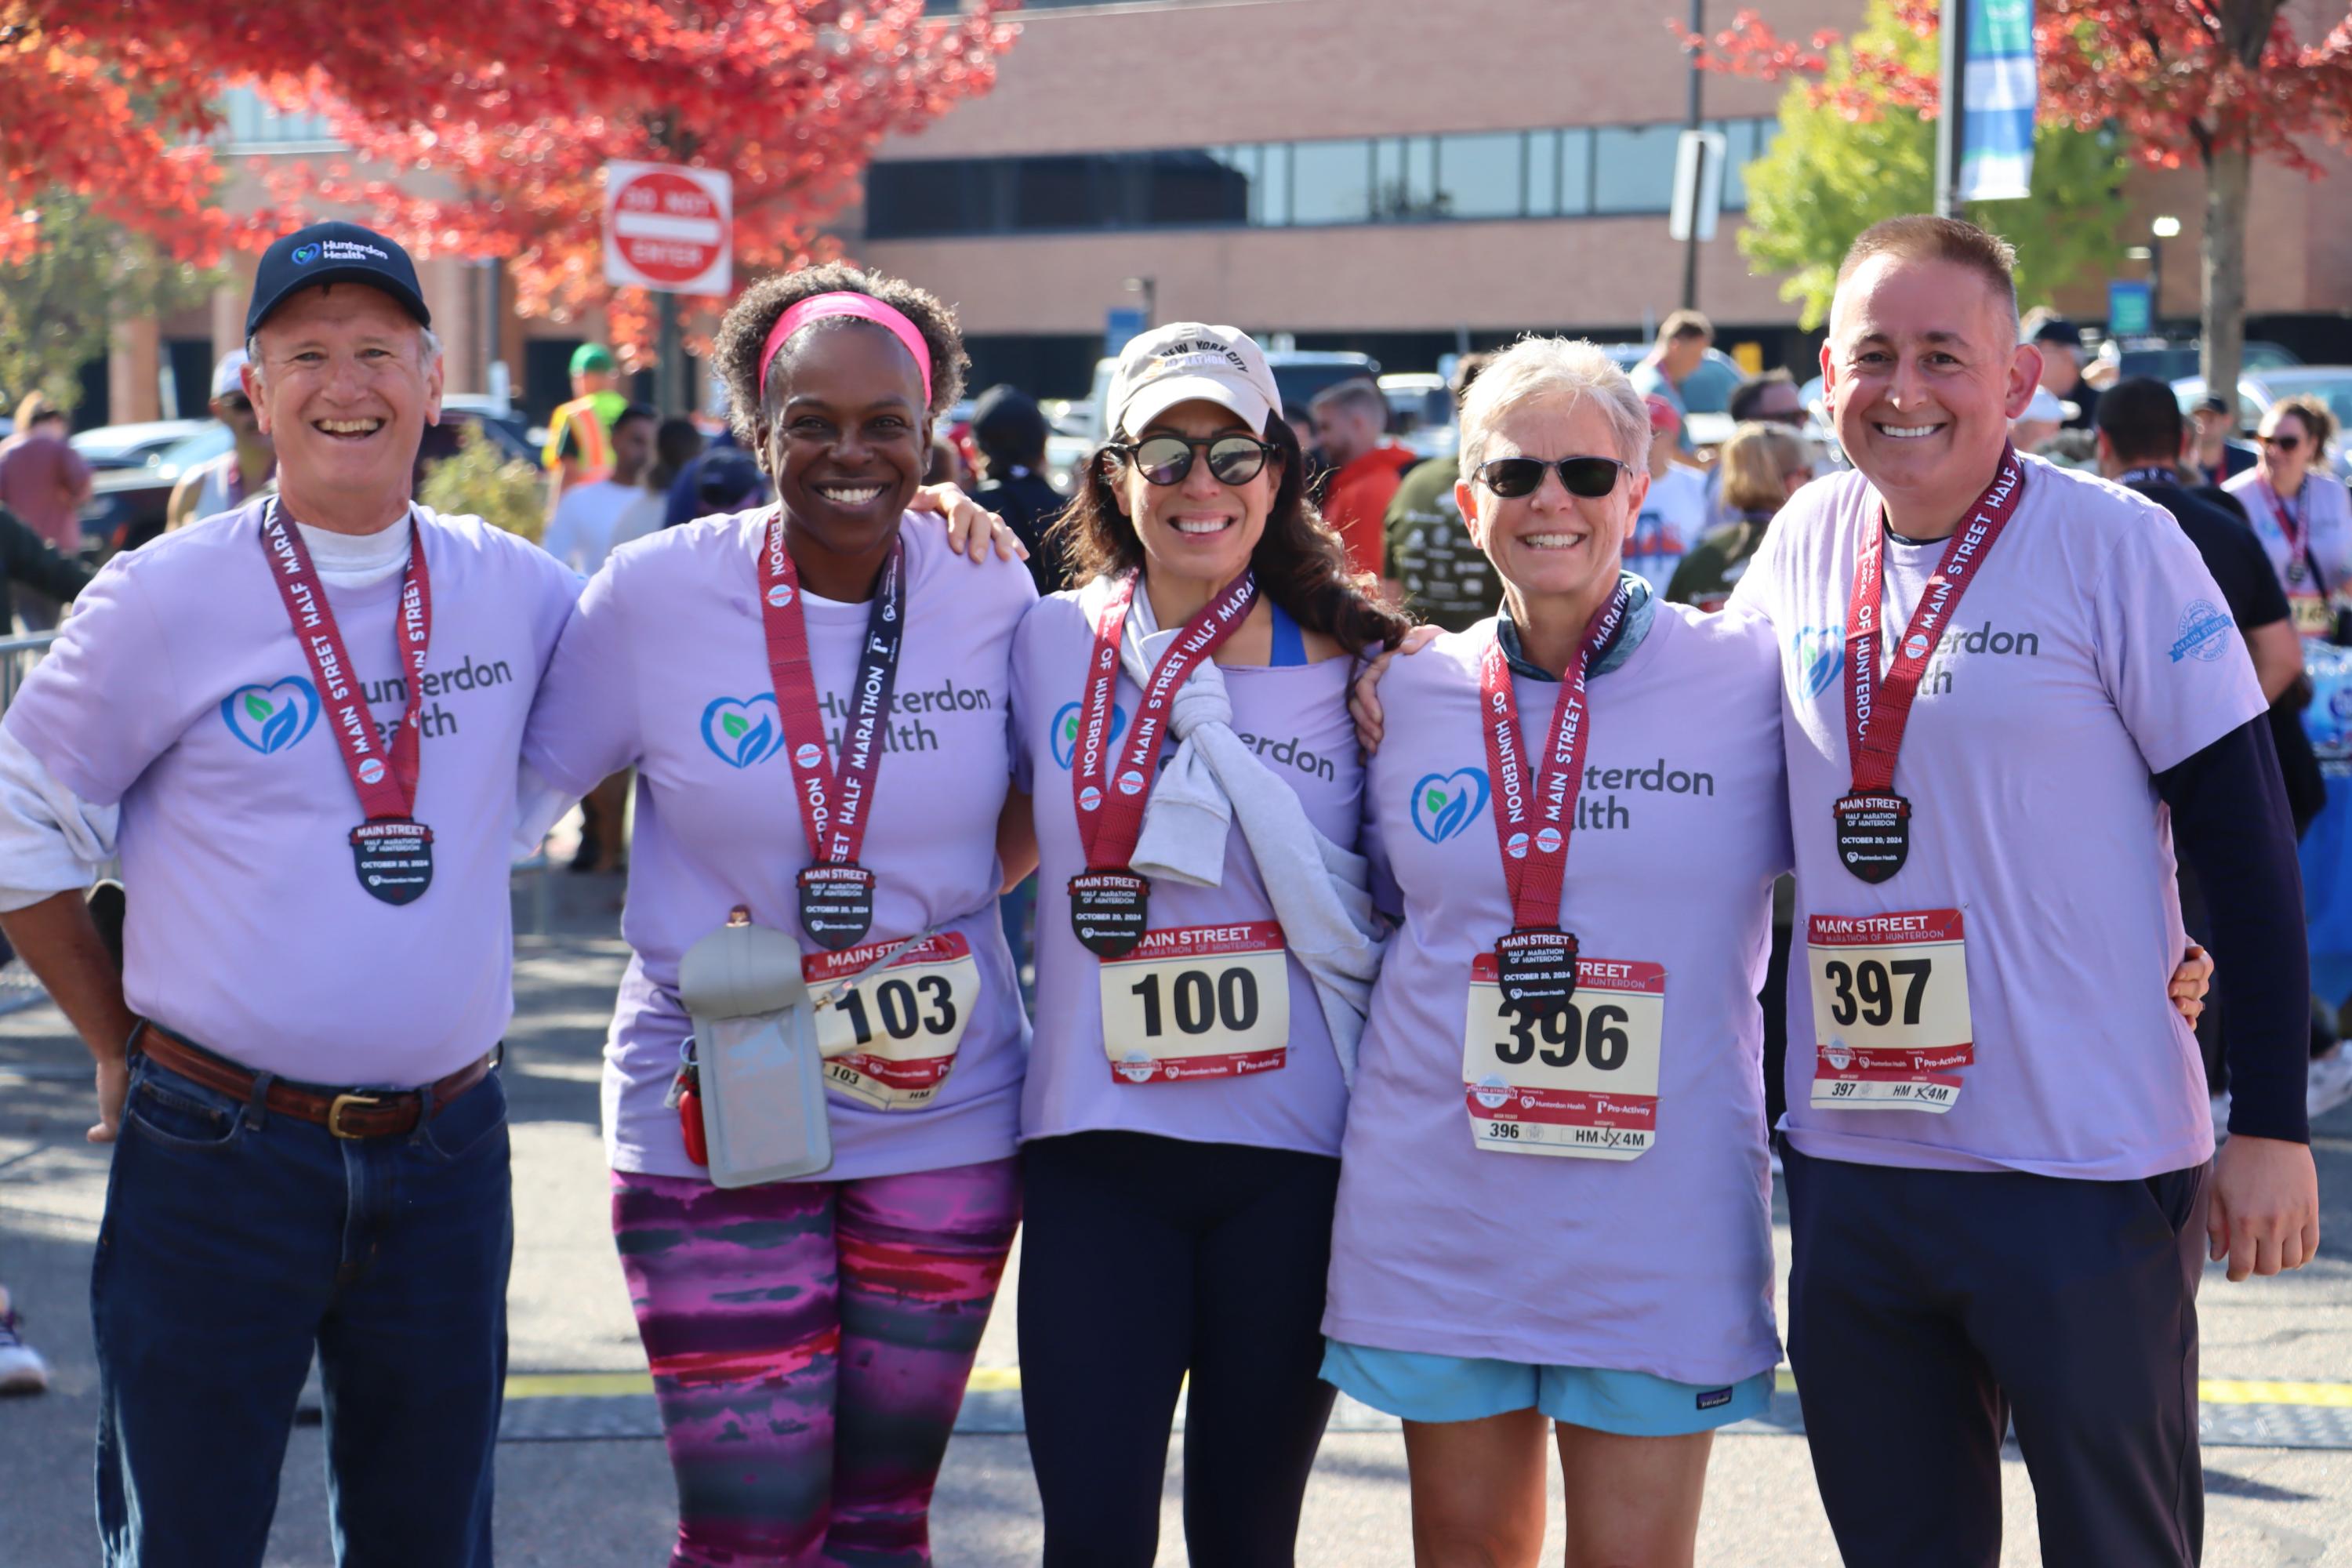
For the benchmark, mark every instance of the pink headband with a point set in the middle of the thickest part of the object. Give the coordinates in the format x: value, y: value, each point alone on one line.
x: 865, y: 308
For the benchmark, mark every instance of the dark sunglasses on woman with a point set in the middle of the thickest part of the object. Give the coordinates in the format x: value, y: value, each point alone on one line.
x: 2282, y: 443
x: 1511, y: 478
x: 1166, y: 459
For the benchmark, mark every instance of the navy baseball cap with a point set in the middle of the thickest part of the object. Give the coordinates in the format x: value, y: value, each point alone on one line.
x: 333, y: 253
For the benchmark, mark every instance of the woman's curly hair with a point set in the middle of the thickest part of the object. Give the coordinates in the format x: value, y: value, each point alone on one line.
x: 749, y: 321
x: 1300, y: 563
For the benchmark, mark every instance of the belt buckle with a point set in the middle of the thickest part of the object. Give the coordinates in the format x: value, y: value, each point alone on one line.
x: 335, y: 1112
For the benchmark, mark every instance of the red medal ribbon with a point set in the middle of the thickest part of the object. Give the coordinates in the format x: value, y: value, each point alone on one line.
x: 387, y: 786
x: 1111, y: 819
x: 2295, y: 527
x: 1876, y: 716
x: 835, y: 831
x: 1535, y: 862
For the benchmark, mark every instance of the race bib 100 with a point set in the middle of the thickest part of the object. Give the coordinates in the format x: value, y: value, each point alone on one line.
x: 1195, y: 1002
x: 1890, y: 1010
x: 1582, y: 1082
x: 890, y: 1039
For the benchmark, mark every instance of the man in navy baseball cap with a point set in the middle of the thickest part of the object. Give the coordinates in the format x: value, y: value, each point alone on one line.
x: 333, y: 253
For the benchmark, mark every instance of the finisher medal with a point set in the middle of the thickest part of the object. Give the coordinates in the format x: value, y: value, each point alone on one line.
x: 1535, y: 963
x: 1110, y: 905
x: 392, y: 852
x: 1873, y: 822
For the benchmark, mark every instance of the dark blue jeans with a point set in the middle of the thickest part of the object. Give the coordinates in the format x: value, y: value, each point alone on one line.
x: 235, y: 1241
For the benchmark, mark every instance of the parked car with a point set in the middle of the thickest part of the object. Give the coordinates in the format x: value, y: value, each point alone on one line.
x: 132, y: 446
x: 2171, y: 362
x: 479, y: 405
x: 1420, y: 413
x: 132, y: 470
x: 2331, y: 384
x: 129, y: 500
x: 1299, y: 372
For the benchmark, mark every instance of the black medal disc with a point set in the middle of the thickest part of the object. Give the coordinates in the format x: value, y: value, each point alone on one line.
x: 1537, y: 968
x: 837, y: 905
x: 1107, y: 910
x: 1874, y: 835
x: 393, y: 859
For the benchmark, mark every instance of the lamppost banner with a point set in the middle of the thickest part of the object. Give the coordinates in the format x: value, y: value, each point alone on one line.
x: 1997, y: 126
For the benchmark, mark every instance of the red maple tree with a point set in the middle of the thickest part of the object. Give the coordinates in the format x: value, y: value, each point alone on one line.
x: 789, y: 97
x: 475, y: 130
x: 2219, y: 81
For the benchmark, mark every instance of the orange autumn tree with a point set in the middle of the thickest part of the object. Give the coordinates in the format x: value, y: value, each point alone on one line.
x: 475, y: 129
x: 2221, y: 82
x: 789, y: 97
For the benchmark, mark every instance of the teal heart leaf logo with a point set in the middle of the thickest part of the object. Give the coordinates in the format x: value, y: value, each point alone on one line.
x: 271, y: 718
x: 1446, y: 803
x: 743, y: 731
x: 1066, y: 730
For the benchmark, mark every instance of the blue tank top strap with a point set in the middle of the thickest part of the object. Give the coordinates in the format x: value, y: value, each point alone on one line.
x: 1289, y: 642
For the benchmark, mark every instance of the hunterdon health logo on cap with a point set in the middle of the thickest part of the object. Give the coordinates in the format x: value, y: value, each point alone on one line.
x: 306, y: 254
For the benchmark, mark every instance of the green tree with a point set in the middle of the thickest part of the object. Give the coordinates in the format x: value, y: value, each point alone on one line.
x: 57, y: 301
x: 479, y: 481
x: 1838, y: 168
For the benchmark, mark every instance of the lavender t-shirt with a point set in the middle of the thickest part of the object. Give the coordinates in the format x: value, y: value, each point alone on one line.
x: 2092, y: 651
x: 1659, y: 1264
x: 664, y: 668
x: 177, y: 689
x: 1295, y: 717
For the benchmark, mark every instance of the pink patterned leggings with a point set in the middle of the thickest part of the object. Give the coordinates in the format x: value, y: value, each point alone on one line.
x: 810, y: 1342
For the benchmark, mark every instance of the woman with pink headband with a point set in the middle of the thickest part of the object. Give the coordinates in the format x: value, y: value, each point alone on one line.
x: 814, y: 697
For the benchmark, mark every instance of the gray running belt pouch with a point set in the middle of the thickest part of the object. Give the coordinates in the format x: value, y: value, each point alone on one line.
x: 762, y: 1079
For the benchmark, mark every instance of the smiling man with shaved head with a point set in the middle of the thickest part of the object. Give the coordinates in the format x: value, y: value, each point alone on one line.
x: 297, y: 724
x: 2008, y: 689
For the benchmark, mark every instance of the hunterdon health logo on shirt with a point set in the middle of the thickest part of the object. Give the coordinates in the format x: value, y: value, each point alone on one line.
x: 271, y: 718
x: 741, y: 731
x: 2204, y: 632
x: 1446, y: 803
x: 1819, y: 652
x: 1064, y: 734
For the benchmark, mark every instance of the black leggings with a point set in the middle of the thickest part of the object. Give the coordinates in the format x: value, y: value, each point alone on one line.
x: 1143, y: 1257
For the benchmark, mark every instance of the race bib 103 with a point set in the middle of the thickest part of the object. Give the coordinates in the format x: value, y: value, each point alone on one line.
x: 890, y: 1039
x: 1890, y: 1010
x: 1195, y: 1002
x: 1582, y: 1082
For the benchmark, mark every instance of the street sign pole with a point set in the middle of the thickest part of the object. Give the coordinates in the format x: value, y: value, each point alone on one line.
x: 1690, y: 245
x: 669, y: 372
x: 1953, y: 90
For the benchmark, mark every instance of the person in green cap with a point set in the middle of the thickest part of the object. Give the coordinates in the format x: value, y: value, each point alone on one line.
x: 579, y: 443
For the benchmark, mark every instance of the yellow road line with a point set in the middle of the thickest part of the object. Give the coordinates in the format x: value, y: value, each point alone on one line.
x: 2223, y: 1391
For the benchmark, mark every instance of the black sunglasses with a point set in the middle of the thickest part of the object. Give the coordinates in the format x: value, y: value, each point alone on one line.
x: 1511, y: 478
x: 2284, y: 443
x: 1166, y: 459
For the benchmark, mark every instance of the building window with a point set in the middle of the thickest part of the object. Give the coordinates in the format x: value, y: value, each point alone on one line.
x: 251, y: 125
x: 1575, y: 171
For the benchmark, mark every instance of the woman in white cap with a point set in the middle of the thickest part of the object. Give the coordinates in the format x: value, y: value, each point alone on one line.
x: 249, y: 469
x: 1199, y: 989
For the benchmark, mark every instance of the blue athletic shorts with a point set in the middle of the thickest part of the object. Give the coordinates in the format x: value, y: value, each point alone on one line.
x: 1417, y: 1387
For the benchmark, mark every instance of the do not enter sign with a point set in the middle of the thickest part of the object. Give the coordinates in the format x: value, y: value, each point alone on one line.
x: 670, y: 228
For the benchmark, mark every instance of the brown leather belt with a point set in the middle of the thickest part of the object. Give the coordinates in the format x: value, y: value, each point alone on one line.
x: 346, y: 1113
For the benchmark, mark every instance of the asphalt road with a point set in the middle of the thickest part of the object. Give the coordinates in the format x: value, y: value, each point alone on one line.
x: 590, y: 1504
